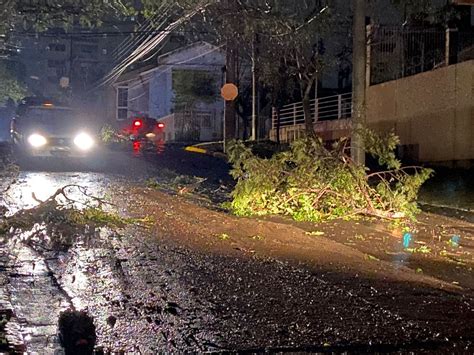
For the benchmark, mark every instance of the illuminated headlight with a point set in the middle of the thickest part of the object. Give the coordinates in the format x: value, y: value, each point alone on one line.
x: 84, y: 141
x: 37, y: 140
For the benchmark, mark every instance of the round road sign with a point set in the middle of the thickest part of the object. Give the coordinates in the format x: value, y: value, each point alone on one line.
x: 229, y: 92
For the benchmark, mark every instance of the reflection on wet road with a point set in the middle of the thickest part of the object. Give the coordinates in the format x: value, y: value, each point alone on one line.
x: 35, y: 295
x: 33, y: 186
x: 131, y: 312
x: 453, y: 189
x: 133, y: 299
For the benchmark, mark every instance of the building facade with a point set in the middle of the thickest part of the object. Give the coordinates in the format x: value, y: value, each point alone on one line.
x: 152, y: 91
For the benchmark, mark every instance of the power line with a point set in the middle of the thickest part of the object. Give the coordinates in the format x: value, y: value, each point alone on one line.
x: 134, y: 43
x: 144, y: 27
x: 146, y: 47
x: 104, y: 33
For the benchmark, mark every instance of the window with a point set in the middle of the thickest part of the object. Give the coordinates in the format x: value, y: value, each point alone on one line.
x: 122, y: 103
x: 89, y: 49
x: 57, y: 47
x: 59, y: 66
x: 56, y: 63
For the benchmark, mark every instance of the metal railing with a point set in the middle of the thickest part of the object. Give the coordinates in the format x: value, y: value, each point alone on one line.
x: 322, y: 109
x: 398, y: 52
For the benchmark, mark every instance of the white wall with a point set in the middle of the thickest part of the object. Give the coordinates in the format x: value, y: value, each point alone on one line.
x: 196, y: 57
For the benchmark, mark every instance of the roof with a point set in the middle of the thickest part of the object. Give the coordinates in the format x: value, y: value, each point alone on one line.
x: 185, y: 48
x: 135, y: 74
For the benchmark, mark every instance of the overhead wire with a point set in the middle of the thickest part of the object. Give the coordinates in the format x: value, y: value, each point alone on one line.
x: 123, y: 53
x: 129, y: 39
x: 126, y: 44
x: 153, y: 41
x: 146, y: 47
x: 102, y: 33
x: 142, y: 26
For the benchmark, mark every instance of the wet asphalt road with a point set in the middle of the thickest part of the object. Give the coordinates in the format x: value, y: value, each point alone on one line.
x: 149, y: 296
x: 33, y: 289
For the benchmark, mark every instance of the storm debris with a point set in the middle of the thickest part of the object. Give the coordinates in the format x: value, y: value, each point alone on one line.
x: 69, y: 212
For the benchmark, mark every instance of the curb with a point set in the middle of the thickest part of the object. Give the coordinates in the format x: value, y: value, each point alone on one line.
x: 195, y: 149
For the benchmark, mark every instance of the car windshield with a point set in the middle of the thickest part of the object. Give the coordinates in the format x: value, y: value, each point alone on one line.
x: 39, y: 114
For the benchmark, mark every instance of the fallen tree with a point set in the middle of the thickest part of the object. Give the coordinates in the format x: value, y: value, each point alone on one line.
x: 311, y: 182
x: 55, y: 222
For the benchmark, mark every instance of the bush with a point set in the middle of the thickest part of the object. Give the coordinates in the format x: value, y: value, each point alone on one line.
x: 310, y: 182
x: 109, y: 135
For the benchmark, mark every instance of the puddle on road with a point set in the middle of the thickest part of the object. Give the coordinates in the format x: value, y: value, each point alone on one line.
x: 453, y: 189
x: 32, y: 295
x: 43, y: 185
x: 36, y: 301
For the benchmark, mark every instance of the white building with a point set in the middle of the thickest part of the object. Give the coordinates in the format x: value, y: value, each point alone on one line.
x: 150, y: 91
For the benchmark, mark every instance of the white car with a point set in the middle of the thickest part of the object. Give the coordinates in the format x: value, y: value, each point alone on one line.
x: 43, y: 129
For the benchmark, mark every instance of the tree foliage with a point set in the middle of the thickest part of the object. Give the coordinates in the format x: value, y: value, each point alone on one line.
x: 420, y: 12
x: 282, y: 37
x: 294, y: 35
x: 193, y: 86
x: 310, y: 182
x: 10, y: 86
x: 40, y: 15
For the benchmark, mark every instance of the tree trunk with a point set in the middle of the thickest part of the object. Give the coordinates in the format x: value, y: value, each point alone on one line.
x: 308, y: 118
x: 359, y: 55
x: 254, y: 91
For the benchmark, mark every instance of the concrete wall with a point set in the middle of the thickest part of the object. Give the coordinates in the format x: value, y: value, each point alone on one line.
x: 432, y: 112
x: 138, y: 96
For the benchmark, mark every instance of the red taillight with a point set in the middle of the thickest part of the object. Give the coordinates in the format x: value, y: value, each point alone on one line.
x: 161, y: 125
x: 137, y: 123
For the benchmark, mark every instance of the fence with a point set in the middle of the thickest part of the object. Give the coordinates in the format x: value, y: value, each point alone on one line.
x: 322, y: 109
x: 395, y: 52
x: 189, y: 125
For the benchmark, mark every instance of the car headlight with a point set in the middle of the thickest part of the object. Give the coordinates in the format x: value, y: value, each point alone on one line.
x: 84, y: 141
x: 37, y: 140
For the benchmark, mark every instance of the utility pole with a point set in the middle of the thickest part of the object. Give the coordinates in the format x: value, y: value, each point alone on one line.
x: 230, y: 77
x: 359, y: 54
x: 254, y: 90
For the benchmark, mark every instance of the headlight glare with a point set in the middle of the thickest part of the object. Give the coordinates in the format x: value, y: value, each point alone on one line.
x: 84, y: 141
x: 37, y: 140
